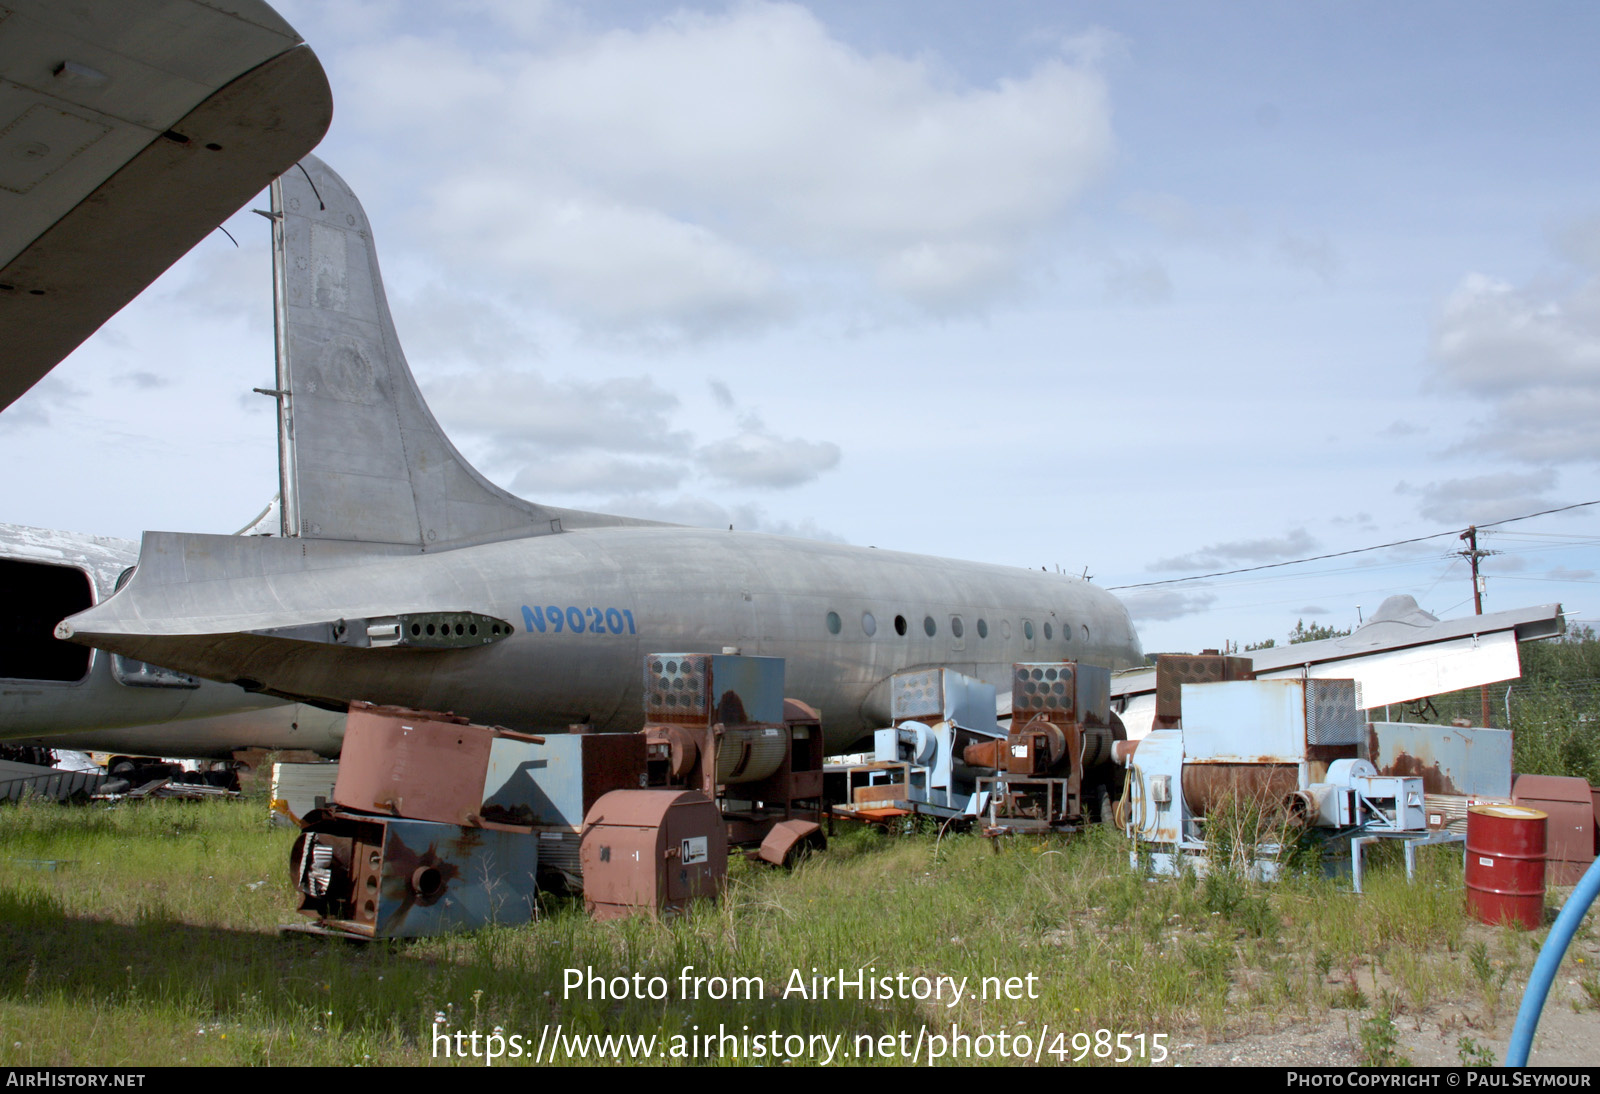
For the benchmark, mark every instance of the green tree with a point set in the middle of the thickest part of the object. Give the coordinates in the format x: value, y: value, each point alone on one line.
x: 1314, y: 633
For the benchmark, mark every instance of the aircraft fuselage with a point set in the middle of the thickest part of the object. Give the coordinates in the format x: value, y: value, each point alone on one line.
x: 586, y: 606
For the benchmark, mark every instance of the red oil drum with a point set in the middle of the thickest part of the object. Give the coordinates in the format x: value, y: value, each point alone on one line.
x: 1505, y: 864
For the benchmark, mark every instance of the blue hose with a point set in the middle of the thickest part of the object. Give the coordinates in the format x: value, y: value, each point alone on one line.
x: 1544, y: 970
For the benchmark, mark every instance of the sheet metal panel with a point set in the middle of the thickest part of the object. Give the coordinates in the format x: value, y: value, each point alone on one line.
x: 1570, y: 832
x: 705, y: 688
x: 1244, y: 721
x: 1157, y: 810
x: 555, y: 782
x: 941, y: 695
x: 1398, y: 676
x: 414, y: 764
x: 1450, y: 760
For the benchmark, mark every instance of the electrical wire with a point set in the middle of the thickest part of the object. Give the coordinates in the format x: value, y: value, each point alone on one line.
x: 1352, y: 551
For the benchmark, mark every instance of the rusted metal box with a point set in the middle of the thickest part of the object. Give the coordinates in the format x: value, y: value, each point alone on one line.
x: 386, y: 877
x: 1063, y: 691
x: 421, y: 765
x: 1570, y: 834
x: 709, y: 688
x: 1454, y: 760
x: 440, y: 768
x: 1173, y: 670
x: 652, y: 850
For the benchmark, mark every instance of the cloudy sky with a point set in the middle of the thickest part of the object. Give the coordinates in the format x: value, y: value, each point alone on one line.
x: 1142, y: 291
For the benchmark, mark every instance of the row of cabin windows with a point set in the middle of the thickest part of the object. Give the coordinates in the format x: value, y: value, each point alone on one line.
x: 869, y: 626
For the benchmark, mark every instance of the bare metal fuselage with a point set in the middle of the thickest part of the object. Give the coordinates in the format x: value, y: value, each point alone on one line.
x: 382, y: 518
x: 586, y: 606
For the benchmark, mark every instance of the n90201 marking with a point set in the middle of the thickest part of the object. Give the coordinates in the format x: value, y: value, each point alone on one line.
x: 553, y: 619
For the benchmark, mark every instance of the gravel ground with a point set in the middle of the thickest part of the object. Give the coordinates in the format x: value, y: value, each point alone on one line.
x: 1568, y: 1033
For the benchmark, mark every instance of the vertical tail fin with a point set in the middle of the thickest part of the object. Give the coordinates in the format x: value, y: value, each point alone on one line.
x: 360, y: 455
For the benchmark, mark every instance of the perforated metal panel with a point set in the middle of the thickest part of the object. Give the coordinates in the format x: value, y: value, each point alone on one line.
x: 707, y: 688
x: 917, y: 695
x: 1333, y: 712
x: 1037, y: 687
x: 675, y: 686
x: 939, y: 695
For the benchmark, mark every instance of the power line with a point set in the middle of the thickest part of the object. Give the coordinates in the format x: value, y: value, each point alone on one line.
x: 1540, y: 513
x: 1342, y: 554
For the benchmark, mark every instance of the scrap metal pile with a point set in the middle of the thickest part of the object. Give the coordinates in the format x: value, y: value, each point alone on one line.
x: 436, y: 824
x: 1299, y: 757
x: 947, y: 757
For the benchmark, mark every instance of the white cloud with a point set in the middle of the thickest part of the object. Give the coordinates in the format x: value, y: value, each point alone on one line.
x: 611, y: 263
x: 1315, y: 254
x: 1183, y: 222
x: 1533, y: 354
x: 1156, y: 605
x: 592, y: 472
x: 608, y: 437
x: 757, y: 457
x: 703, y: 513
x: 1483, y: 498
x: 1241, y: 552
x: 1578, y: 241
x: 521, y: 412
x: 144, y: 381
x: 706, y: 170
x: 33, y: 407
x: 1142, y: 280
x: 439, y: 325
x: 1362, y: 519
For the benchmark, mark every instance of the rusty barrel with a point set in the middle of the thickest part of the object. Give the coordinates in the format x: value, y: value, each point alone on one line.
x: 1505, y: 864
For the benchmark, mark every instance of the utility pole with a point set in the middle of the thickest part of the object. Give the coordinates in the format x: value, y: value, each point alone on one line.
x: 1472, y: 555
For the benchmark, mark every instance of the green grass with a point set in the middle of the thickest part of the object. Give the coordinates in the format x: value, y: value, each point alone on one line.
x: 154, y: 941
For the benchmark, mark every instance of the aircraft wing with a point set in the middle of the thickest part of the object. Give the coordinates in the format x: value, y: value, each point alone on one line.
x: 129, y: 129
x: 1402, y: 653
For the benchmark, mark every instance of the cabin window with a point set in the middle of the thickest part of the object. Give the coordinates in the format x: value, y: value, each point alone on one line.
x: 1027, y: 629
x: 1047, y: 634
x: 983, y: 628
x: 930, y: 626
x: 955, y: 626
x: 833, y: 623
x: 1066, y: 632
x: 900, y: 625
x: 1086, y: 632
x: 869, y: 624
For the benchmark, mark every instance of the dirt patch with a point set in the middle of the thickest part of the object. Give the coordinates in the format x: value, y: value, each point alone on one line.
x: 1449, y: 1033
